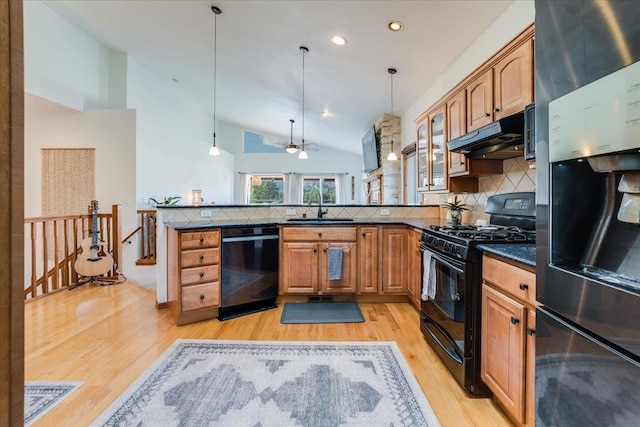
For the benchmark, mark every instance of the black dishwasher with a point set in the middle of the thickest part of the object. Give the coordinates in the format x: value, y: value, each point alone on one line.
x: 249, y: 270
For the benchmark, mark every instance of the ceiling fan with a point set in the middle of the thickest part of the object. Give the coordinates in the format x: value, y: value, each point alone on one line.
x: 292, y: 148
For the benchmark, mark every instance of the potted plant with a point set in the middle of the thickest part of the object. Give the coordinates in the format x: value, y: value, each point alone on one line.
x: 167, y: 201
x: 455, y: 207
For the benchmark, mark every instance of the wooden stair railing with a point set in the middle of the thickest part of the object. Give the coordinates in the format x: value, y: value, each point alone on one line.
x: 53, y: 243
x: 147, y: 228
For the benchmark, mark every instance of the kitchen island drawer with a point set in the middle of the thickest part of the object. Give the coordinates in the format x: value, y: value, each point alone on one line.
x: 206, y: 295
x: 209, y: 273
x: 319, y: 234
x: 200, y: 257
x: 200, y: 239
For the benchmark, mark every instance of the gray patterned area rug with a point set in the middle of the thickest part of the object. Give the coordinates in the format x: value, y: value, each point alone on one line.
x: 263, y: 384
x: 41, y: 396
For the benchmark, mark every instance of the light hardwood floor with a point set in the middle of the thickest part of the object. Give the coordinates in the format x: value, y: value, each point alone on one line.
x: 107, y: 336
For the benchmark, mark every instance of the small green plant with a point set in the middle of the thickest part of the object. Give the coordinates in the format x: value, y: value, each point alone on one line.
x: 456, y: 205
x: 167, y: 200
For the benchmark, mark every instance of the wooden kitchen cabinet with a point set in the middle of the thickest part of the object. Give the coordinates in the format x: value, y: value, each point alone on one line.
x: 432, y: 161
x: 508, y: 342
x: 304, y: 262
x: 414, y: 283
x: 503, y: 90
x: 513, y: 81
x: 394, y: 260
x: 480, y: 101
x: 368, y: 260
x: 193, y: 272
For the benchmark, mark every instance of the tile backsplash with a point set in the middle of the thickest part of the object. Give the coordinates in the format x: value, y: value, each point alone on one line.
x: 517, y: 176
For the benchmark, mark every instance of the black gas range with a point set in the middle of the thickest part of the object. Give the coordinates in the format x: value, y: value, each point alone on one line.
x: 452, y: 281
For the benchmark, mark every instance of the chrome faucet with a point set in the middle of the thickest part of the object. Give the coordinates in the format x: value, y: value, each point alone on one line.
x: 321, y: 212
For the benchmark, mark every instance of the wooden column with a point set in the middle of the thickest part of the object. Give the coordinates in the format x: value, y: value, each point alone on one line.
x: 11, y: 214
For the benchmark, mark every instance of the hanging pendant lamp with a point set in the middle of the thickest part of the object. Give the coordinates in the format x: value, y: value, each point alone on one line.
x: 291, y: 148
x: 392, y: 156
x: 303, y: 154
x: 214, y: 151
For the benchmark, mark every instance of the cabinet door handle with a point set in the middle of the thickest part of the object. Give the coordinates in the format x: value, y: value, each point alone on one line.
x: 201, y: 275
x: 201, y: 297
x: 531, y: 331
x: 496, y: 110
x: 461, y: 163
x: 201, y: 257
x: 515, y: 320
x: 487, y: 114
x: 524, y: 286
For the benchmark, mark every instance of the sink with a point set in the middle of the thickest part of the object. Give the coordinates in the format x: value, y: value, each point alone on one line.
x: 320, y: 219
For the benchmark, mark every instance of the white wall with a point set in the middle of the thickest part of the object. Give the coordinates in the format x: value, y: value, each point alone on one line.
x: 110, y: 132
x: 173, y: 138
x: 325, y: 161
x: 62, y: 63
x: 516, y: 18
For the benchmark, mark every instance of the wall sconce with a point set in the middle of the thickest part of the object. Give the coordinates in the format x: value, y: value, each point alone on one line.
x: 196, y: 197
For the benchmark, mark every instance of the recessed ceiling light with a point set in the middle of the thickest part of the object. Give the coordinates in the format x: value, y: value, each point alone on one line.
x: 395, y: 26
x: 339, y: 40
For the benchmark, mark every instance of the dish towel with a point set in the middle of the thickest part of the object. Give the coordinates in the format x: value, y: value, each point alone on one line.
x: 428, y: 276
x: 335, y: 263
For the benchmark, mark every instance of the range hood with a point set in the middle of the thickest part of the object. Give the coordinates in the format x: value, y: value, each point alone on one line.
x: 502, y: 139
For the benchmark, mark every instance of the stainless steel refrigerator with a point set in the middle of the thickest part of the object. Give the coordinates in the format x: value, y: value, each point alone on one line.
x: 587, y: 127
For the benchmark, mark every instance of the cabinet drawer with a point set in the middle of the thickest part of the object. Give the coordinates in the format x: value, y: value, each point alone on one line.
x: 513, y: 280
x: 321, y: 234
x: 200, y: 296
x: 200, y: 257
x: 200, y: 239
x: 209, y: 273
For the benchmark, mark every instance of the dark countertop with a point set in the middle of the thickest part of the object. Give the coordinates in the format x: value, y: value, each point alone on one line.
x: 524, y: 253
x: 195, y: 225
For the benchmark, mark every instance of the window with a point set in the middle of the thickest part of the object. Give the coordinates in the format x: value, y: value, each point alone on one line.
x: 319, y: 189
x: 266, y: 189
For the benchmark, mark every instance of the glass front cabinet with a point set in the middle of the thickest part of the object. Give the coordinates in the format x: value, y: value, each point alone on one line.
x: 432, y: 152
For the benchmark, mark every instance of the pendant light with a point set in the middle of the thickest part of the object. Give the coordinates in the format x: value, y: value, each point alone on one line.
x: 303, y: 154
x: 214, y: 151
x: 291, y: 148
x: 392, y: 156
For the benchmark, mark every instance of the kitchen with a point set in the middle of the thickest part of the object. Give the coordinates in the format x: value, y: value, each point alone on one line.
x: 508, y: 166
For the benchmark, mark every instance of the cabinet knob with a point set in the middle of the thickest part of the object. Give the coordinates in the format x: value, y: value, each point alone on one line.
x: 201, y: 275
x: 324, y: 250
x: 515, y: 320
x: 315, y: 250
x: 201, y: 297
x: 524, y: 286
x: 201, y: 257
x: 319, y: 234
x: 496, y: 110
x: 487, y: 114
x: 364, y: 235
x: 461, y: 163
x: 202, y: 240
x: 531, y: 331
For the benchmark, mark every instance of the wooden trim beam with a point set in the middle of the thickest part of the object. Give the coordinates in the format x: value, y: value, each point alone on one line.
x: 11, y: 214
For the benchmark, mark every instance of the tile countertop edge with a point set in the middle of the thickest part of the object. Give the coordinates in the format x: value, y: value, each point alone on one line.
x: 193, y: 225
x: 524, y: 253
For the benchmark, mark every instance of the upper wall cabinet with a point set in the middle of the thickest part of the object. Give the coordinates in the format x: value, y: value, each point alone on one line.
x: 513, y: 88
x: 457, y: 126
x: 480, y: 101
x: 432, y: 152
x: 503, y: 90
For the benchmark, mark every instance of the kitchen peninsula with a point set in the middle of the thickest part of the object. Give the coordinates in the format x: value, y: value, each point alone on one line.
x: 387, y: 227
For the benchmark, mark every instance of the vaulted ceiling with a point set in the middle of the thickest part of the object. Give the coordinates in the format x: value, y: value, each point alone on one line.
x: 259, y: 63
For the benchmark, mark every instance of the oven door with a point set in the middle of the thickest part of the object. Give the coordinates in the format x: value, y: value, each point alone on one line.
x: 443, y: 317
